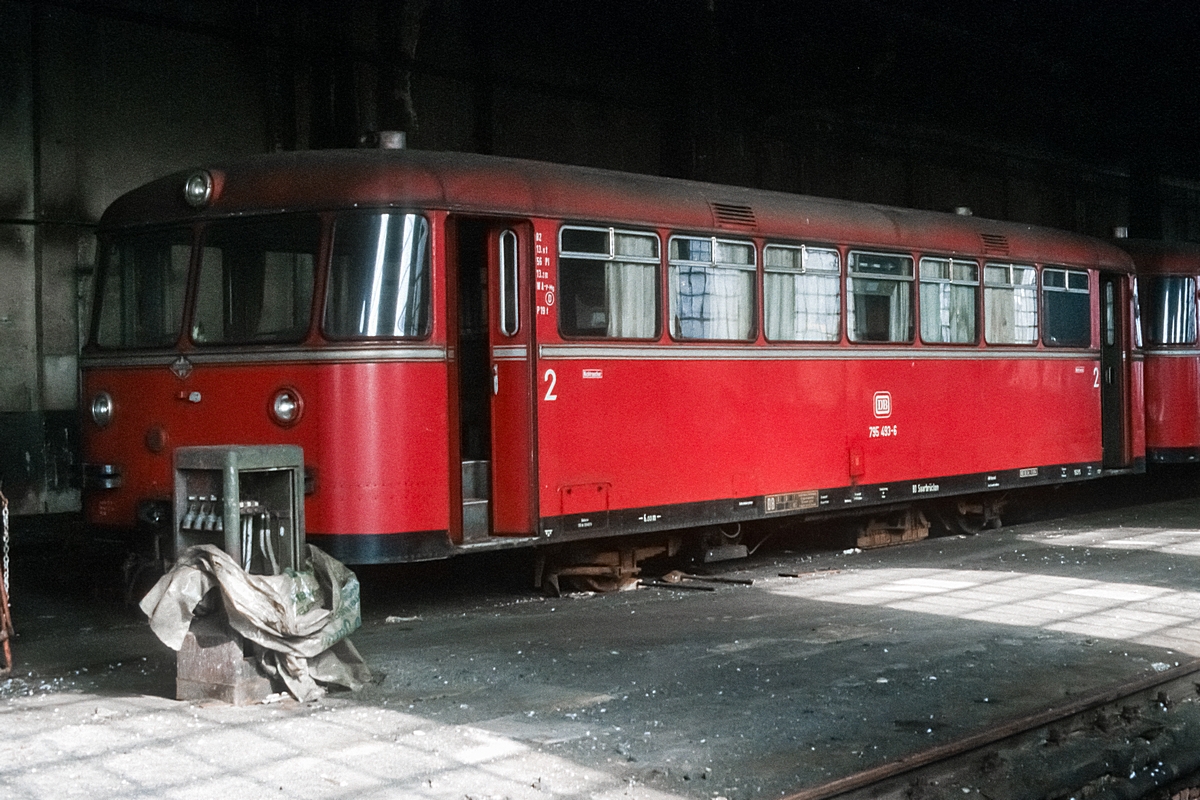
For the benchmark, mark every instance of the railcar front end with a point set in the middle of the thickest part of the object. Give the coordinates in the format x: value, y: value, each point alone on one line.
x: 295, y: 327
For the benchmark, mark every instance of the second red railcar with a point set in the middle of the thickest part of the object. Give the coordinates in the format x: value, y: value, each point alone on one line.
x: 1167, y: 275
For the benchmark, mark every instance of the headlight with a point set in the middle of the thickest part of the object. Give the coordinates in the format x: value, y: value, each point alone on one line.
x: 102, y: 409
x: 198, y: 189
x: 286, y: 407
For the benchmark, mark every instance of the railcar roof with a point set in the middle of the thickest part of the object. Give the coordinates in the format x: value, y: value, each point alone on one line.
x: 1169, y: 258
x: 475, y: 184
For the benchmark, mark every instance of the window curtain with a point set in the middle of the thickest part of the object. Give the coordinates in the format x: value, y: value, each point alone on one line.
x: 1011, y: 314
x: 947, y: 312
x: 629, y: 287
x: 632, y: 299
x: 900, y: 307
x: 714, y: 302
x: 801, y: 307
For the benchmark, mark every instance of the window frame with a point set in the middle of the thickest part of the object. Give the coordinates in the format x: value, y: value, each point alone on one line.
x: 96, y: 322
x: 612, y: 232
x: 838, y: 273
x: 325, y: 282
x: 1047, y: 292
x: 201, y: 247
x: 673, y: 287
x: 508, y: 264
x: 1009, y: 266
x: 910, y: 280
x: 976, y: 306
x: 1153, y: 281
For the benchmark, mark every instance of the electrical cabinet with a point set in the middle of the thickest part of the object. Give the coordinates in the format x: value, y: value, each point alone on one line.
x: 246, y: 500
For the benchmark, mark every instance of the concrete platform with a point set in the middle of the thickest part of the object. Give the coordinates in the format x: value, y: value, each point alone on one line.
x: 741, y: 692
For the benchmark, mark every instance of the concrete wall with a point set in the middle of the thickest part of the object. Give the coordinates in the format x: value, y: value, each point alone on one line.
x: 90, y: 106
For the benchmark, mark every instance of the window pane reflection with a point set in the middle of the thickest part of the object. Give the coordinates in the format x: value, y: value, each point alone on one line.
x: 379, y: 276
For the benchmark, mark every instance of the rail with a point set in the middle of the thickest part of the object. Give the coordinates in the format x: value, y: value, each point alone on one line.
x: 997, y: 762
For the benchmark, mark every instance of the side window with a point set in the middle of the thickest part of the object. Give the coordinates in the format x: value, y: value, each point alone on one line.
x: 712, y: 288
x: 1170, y: 309
x: 1067, y: 308
x: 879, y: 307
x: 949, y: 293
x: 1137, y: 317
x: 801, y: 293
x: 1010, y: 304
x: 608, y: 283
x: 1110, y: 315
x: 510, y: 310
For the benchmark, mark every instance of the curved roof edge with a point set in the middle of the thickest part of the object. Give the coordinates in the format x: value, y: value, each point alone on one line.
x: 1154, y: 255
x: 478, y: 184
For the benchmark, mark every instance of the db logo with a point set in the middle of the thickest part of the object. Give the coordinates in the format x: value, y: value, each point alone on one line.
x: 883, y: 405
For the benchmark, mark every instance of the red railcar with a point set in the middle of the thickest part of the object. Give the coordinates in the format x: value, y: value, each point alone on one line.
x: 1167, y: 274
x: 478, y: 352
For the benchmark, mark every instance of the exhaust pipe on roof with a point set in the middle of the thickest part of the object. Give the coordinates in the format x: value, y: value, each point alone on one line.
x: 392, y: 140
x: 384, y: 140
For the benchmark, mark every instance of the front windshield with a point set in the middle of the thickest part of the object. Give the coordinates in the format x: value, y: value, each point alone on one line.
x: 256, y: 280
x: 141, y: 281
x: 1170, y: 309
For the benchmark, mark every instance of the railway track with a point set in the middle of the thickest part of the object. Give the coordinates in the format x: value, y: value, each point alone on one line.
x: 1124, y: 741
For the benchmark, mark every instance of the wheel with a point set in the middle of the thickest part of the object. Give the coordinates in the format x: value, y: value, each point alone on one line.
x: 968, y: 518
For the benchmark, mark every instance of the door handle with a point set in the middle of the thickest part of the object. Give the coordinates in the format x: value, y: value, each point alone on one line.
x: 495, y: 379
x: 1108, y: 375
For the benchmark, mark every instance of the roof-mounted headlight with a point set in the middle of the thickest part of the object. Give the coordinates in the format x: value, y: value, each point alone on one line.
x: 198, y: 189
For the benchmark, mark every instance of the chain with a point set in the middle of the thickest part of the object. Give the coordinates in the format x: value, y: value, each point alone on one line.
x: 4, y: 514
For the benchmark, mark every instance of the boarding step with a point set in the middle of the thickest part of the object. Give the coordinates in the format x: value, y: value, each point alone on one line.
x: 476, y: 480
x: 475, y: 520
x: 476, y: 491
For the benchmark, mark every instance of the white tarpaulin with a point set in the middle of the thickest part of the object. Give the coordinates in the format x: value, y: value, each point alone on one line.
x: 299, y: 620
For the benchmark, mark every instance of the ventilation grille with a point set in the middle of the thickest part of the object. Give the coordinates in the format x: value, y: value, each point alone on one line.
x: 736, y: 216
x: 994, y: 244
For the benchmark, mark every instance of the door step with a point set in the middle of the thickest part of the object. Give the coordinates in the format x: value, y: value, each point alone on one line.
x: 476, y: 514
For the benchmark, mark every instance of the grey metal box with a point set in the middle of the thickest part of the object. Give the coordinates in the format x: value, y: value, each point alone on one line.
x: 246, y: 500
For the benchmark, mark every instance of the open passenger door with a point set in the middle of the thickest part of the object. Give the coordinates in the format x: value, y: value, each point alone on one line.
x: 493, y: 339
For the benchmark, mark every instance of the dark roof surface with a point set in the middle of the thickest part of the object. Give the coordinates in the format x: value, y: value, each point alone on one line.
x: 1152, y: 256
x: 476, y: 184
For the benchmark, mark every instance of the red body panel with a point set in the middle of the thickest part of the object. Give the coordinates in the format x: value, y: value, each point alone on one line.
x: 375, y: 432
x: 662, y: 433
x: 1172, y: 408
x: 1138, y: 420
